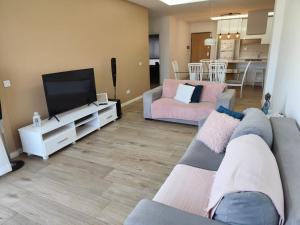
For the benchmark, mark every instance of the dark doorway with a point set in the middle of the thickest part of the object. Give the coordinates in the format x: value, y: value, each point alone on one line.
x: 154, y: 60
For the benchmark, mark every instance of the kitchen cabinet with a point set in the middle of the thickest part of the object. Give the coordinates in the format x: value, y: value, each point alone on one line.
x: 266, y: 38
x: 235, y: 26
x: 232, y: 26
x: 224, y: 26
x: 244, y: 34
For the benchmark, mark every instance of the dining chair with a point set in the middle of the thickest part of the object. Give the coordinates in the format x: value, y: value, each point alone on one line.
x: 239, y: 83
x: 195, y: 71
x: 221, y: 61
x: 205, y: 66
x: 217, y: 72
x: 177, y: 73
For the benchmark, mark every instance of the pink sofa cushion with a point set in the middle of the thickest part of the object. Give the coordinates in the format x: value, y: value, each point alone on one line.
x: 187, y: 188
x: 168, y: 108
x: 217, y: 130
x: 209, y: 94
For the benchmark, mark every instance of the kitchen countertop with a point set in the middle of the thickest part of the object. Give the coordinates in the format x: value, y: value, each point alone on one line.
x: 257, y: 61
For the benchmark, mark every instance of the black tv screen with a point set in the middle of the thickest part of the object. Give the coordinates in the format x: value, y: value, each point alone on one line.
x: 69, y: 90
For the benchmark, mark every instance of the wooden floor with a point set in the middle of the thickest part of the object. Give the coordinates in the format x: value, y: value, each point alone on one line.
x: 252, y: 97
x: 101, y: 178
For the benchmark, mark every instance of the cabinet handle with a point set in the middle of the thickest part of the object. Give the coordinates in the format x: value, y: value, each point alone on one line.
x: 109, y: 117
x: 62, y: 140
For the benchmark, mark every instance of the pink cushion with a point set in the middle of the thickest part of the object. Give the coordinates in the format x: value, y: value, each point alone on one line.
x: 217, y: 130
x: 209, y: 94
x: 187, y: 188
x: 168, y: 108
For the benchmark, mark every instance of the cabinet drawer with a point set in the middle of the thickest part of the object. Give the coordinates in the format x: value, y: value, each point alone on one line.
x: 60, y: 140
x: 107, y: 116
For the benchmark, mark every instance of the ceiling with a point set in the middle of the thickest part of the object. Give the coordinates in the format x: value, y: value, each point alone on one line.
x: 202, y: 11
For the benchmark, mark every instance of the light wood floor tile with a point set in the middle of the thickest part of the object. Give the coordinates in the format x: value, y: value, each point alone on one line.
x: 19, y: 219
x: 47, y: 212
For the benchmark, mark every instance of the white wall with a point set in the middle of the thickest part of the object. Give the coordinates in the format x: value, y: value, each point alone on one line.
x: 173, y: 41
x: 205, y: 27
x: 275, y: 46
x: 283, y: 79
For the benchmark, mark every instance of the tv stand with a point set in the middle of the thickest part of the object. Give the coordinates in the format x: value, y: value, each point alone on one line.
x: 54, y: 117
x: 71, y: 126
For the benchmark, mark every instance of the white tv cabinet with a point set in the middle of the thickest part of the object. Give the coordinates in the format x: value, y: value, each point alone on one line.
x: 73, y: 125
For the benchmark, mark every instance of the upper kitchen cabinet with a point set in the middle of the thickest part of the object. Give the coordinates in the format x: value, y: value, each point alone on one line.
x: 223, y: 26
x: 266, y: 38
x: 235, y: 26
x: 231, y: 26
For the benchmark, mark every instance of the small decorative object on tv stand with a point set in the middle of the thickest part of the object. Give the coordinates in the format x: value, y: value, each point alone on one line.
x: 73, y: 125
x: 102, y: 99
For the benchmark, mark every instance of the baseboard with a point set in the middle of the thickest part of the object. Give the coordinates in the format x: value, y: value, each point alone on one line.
x: 16, y: 153
x: 131, y: 101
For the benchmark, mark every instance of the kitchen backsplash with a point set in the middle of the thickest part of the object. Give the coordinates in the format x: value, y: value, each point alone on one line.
x: 253, y: 49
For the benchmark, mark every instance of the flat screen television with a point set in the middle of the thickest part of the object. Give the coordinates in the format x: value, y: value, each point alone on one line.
x: 68, y: 90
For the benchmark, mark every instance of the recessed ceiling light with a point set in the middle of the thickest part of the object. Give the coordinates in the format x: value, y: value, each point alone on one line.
x: 237, y: 16
x: 179, y: 2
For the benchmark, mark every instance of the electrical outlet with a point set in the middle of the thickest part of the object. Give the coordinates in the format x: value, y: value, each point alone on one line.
x: 128, y: 92
x: 6, y: 83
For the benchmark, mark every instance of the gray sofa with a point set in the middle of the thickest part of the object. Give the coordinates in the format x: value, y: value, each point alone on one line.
x: 226, y: 99
x: 285, y: 137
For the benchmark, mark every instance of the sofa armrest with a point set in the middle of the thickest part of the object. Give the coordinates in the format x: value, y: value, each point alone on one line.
x: 201, y: 123
x: 149, y: 97
x: 148, y: 212
x: 226, y: 99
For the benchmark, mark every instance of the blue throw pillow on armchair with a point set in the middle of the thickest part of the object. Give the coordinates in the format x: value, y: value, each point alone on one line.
x: 236, y: 115
x: 197, y: 93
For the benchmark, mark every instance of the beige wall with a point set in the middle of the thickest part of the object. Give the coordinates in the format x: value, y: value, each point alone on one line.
x: 181, y: 39
x: 44, y: 36
x: 210, y: 26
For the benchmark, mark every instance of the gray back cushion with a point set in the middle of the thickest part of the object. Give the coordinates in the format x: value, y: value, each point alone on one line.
x: 247, y: 208
x: 255, y: 122
x: 286, y: 149
x: 200, y: 156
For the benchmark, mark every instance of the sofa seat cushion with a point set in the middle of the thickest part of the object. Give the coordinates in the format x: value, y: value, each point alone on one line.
x: 149, y: 212
x: 200, y: 156
x: 166, y: 108
x: 187, y: 188
x: 210, y: 91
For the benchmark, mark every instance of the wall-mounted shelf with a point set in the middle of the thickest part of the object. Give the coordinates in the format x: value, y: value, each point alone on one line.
x: 73, y: 125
